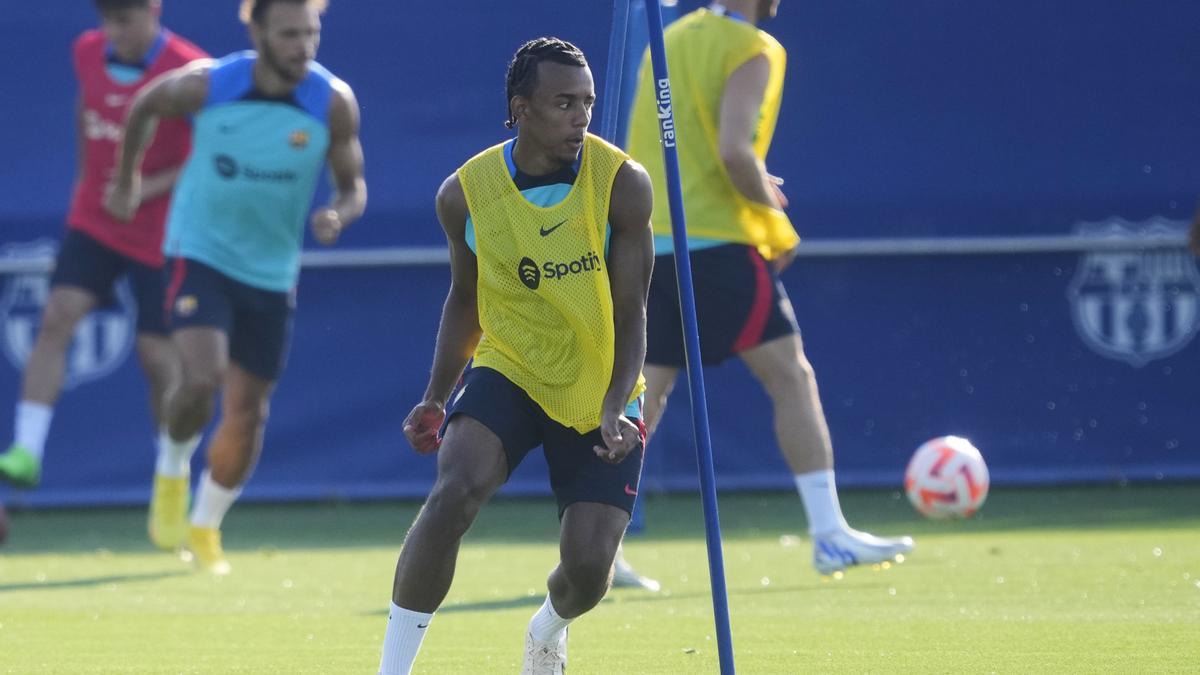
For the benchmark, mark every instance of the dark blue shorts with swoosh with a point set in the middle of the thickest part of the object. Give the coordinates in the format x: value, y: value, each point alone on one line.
x: 576, y: 473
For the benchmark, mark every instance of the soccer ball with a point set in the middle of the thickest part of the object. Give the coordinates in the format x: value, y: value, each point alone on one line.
x: 946, y: 478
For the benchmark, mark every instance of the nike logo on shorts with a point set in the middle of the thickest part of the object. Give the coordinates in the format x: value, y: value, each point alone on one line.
x: 630, y: 491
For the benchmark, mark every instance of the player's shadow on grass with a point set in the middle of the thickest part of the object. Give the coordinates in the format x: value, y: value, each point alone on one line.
x: 671, y: 518
x: 634, y: 595
x: 86, y: 582
x: 482, y: 606
x: 630, y: 595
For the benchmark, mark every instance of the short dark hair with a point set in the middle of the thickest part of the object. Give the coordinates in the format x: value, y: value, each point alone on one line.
x: 522, y: 70
x: 114, y: 5
x: 255, y: 10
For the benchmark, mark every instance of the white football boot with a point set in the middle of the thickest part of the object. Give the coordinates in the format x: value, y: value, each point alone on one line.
x: 624, y: 576
x: 835, y: 551
x: 545, y: 658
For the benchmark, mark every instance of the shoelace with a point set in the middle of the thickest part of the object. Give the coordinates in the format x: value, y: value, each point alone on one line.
x: 542, y: 655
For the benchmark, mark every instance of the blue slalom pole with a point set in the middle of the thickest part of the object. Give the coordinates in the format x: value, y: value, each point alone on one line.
x: 614, y: 71
x: 610, y: 122
x: 687, y: 307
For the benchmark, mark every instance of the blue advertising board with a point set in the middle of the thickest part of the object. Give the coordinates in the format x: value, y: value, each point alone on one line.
x: 1059, y: 366
x: 921, y: 119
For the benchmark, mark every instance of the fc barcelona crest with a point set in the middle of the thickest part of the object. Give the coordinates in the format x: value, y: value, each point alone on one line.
x: 298, y: 139
x: 102, y: 340
x: 1137, y: 305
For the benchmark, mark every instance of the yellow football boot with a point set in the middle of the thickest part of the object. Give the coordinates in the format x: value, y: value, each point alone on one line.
x: 205, y: 545
x: 167, y: 523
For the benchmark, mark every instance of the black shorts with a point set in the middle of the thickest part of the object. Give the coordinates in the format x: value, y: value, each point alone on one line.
x: 257, y: 321
x: 740, y: 303
x: 85, y: 263
x: 576, y: 473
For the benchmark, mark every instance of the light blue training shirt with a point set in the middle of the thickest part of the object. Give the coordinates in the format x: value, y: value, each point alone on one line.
x: 244, y: 196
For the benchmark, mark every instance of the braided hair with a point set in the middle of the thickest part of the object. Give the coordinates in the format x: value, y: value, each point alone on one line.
x: 522, y: 70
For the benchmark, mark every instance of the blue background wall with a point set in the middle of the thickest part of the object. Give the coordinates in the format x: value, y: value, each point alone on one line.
x: 899, y: 118
x: 920, y: 118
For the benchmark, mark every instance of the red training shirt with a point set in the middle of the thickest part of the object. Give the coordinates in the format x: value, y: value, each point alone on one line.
x: 105, y: 103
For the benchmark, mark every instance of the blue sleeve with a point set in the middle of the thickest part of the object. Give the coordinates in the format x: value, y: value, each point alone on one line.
x: 315, y: 92
x: 230, y: 78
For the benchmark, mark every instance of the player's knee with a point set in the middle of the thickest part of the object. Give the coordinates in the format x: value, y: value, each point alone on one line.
x: 58, y: 323
x: 661, y: 399
x: 659, y: 386
x: 159, y: 361
x: 198, y: 391
x: 456, y: 500
x: 798, y: 377
x: 249, y: 414
x: 804, y: 369
x: 588, y: 575
x: 157, y: 369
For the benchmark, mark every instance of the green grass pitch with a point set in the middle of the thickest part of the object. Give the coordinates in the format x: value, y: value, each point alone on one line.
x: 1049, y: 580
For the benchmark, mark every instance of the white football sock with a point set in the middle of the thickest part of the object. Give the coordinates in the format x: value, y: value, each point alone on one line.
x: 212, y: 502
x: 405, y: 630
x: 546, y: 625
x: 175, y: 457
x: 32, y: 426
x: 819, y: 494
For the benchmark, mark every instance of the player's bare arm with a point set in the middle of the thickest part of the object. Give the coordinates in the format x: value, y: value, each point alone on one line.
x: 174, y: 94
x: 459, y: 331
x: 160, y: 183
x: 740, y: 105
x: 152, y: 186
x: 630, y: 262
x: 346, y: 163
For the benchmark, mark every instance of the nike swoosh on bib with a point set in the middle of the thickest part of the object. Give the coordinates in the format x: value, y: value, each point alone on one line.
x: 545, y: 231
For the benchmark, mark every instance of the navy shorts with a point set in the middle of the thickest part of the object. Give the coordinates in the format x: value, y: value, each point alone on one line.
x: 740, y: 304
x: 85, y: 263
x: 576, y: 473
x: 257, y: 321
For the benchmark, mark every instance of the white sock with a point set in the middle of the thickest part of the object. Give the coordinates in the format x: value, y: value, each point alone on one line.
x: 405, y: 630
x: 546, y: 625
x: 819, y: 494
x: 212, y: 502
x: 32, y: 425
x: 175, y: 457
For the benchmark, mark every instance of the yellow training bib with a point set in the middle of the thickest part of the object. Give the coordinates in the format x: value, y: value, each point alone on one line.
x: 703, y: 50
x: 545, y: 304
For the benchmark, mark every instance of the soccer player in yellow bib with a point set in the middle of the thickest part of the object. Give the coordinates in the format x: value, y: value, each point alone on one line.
x: 728, y: 85
x: 550, y: 257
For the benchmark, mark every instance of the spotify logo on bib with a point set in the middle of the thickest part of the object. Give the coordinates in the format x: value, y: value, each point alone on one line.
x: 530, y: 275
